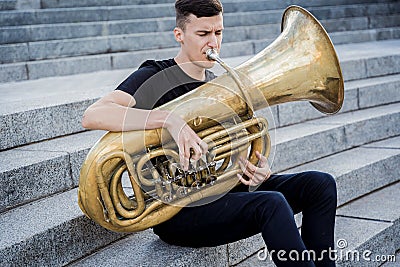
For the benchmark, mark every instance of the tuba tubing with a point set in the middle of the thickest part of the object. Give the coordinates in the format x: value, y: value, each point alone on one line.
x: 300, y: 65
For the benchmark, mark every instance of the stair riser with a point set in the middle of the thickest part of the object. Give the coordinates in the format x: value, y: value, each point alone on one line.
x: 367, y: 179
x: 269, y: 3
x: 41, y: 124
x: 21, y: 34
x: 365, y: 36
x: 334, y: 140
x: 83, y: 3
x: 43, y: 169
x: 99, y: 45
x: 8, y: 4
x: 58, y: 246
x: 355, y: 98
x: 60, y: 67
x: 35, y: 181
x: 380, y: 245
x: 32, y: 17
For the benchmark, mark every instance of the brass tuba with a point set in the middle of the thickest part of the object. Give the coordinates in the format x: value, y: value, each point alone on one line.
x: 301, y: 64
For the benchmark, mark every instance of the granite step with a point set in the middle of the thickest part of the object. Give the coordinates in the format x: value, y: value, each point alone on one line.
x: 53, y: 4
x: 322, y: 137
x: 39, y: 170
x: 104, y: 13
x: 41, y: 50
x: 84, y: 64
x: 368, y: 163
x: 367, y: 231
x: 131, y: 11
x: 8, y: 4
x: 46, y: 32
x: 49, y: 232
x: 145, y: 249
x: 270, y: 3
x: 104, y: 38
x: 42, y: 241
x: 50, y: 167
x: 41, y: 235
x: 265, y: 33
x: 85, y: 3
x: 61, y: 101
x: 359, y: 94
x: 378, y: 34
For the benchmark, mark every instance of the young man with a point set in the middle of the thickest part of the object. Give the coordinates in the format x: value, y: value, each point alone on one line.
x: 238, y: 214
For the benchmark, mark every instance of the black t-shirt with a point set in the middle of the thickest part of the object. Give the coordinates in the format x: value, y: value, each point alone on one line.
x: 158, y: 82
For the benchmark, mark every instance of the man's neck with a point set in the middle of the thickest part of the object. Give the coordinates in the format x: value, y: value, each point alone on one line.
x: 194, y: 71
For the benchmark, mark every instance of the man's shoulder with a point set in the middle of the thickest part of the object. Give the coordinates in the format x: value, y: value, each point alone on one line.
x: 146, y: 70
x: 157, y: 65
x: 149, y: 68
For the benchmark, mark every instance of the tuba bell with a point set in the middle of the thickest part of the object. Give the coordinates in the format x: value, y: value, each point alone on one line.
x: 300, y: 65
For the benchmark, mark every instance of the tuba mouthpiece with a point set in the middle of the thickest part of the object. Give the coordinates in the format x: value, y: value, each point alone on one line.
x: 212, y: 54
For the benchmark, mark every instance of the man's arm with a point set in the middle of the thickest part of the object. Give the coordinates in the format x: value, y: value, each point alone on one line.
x: 116, y: 112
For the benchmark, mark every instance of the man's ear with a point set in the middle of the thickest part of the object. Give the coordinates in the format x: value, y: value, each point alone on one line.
x: 179, y: 34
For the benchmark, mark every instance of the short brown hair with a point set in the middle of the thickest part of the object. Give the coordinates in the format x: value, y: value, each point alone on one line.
x: 199, y: 8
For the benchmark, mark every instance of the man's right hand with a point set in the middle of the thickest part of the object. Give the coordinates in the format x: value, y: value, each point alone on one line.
x: 189, y: 143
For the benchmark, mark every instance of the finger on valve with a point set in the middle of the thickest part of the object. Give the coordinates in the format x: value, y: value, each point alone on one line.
x: 247, y: 165
x: 195, y: 152
x: 262, y: 160
x: 249, y: 182
x: 204, y: 147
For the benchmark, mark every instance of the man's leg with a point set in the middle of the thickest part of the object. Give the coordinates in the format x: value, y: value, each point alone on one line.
x: 313, y: 193
x: 236, y: 216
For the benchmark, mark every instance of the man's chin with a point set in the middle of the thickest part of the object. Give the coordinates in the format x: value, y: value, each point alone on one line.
x: 206, y: 64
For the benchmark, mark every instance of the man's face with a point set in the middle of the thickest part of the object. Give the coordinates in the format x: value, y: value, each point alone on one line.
x: 199, y: 35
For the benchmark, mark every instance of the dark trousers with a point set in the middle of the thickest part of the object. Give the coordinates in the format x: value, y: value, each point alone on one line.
x: 270, y: 209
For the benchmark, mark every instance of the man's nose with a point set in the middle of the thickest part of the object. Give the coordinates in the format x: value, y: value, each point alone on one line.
x: 213, y: 42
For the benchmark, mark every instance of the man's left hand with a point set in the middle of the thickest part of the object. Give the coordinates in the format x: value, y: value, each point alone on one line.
x: 256, y: 175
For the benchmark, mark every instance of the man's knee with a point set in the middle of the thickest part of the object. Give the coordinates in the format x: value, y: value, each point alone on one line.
x: 325, y: 183
x: 278, y: 202
x: 330, y: 184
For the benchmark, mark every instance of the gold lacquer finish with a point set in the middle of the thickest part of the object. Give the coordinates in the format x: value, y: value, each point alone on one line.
x: 300, y: 65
